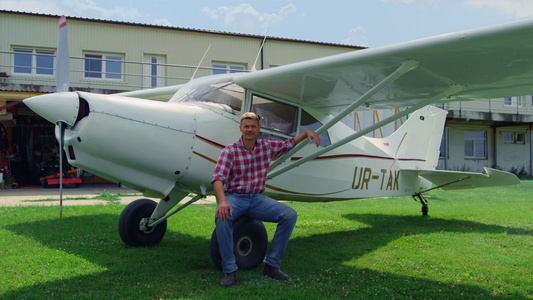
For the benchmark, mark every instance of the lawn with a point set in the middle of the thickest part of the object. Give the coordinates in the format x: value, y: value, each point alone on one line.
x: 474, y: 244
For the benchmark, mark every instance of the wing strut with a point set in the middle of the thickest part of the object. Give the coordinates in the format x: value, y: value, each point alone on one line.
x: 407, y: 65
x: 452, y: 89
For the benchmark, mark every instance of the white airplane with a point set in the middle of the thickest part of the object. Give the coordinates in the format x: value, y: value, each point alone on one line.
x: 168, y: 149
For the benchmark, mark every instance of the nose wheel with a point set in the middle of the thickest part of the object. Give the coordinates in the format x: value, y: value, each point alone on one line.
x: 133, y: 224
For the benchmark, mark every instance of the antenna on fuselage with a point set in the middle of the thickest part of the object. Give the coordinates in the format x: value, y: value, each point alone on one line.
x: 253, y: 69
x: 197, y: 67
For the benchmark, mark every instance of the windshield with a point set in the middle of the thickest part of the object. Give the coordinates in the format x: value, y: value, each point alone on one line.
x: 218, y: 91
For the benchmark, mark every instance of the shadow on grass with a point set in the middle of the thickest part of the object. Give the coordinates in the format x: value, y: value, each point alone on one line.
x: 129, y: 272
x: 340, y: 246
x: 331, y: 251
x: 180, y: 265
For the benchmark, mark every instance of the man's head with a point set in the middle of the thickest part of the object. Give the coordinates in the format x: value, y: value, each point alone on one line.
x: 249, y: 116
x: 249, y: 126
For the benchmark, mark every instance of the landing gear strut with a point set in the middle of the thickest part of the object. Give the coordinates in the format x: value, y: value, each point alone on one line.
x: 423, y: 201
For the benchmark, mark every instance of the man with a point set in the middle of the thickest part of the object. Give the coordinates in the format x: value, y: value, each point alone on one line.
x: 239, y: 179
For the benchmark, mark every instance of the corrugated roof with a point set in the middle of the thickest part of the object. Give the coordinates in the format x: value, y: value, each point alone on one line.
x: 254, y: 36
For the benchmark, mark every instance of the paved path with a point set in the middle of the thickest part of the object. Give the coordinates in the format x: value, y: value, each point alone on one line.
x: 27, y: 197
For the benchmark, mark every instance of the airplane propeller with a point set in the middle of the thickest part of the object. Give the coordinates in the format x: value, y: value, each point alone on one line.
x: 62, y: 85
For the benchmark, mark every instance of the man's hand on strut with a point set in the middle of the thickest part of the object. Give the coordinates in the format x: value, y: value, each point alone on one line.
x: 310, y: 135
x: 223, y: 211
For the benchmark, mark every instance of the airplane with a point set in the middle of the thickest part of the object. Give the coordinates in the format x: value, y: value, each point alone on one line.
x: 110, y: 135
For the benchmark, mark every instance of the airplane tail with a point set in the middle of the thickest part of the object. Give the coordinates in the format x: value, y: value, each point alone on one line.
x: 416, y: 143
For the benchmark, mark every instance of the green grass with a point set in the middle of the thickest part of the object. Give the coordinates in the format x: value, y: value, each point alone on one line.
x: 475, y: 244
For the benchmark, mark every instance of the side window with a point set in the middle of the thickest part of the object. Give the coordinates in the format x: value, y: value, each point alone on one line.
x: 513, y: 101
x: 33, y: 61
x: 276, y: 116
x: 103, y: 66
x: 225, y: 68
x: 514, y: 138
x: 309, y: 122
x: 475, y: 144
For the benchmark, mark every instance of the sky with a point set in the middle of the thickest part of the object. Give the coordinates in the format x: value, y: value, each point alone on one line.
x: 366, y: 23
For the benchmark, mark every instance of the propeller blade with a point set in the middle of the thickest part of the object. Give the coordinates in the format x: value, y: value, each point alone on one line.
x: 62, y: 127
x: 62, y: 57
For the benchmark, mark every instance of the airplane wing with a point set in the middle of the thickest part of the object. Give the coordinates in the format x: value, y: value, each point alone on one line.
x: 159, y: 94
x: 453, y: 180
x: 493, y: 62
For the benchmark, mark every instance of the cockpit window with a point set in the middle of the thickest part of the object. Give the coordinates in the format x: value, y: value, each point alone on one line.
x: 220, y: 92
x: 309, y: 122
x: 276, y: 116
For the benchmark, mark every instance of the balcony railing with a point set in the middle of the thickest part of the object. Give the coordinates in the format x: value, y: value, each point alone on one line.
x: 131, y: 77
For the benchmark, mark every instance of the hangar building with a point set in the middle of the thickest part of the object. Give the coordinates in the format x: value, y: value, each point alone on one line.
x: 110, y: 56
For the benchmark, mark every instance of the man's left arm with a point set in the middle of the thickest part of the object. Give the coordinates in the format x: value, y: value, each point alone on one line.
x: 308, y: 134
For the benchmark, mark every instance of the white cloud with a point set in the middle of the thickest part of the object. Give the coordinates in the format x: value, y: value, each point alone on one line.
x: 244, y: 18
x: 162, y: 22
x: 421, y: 3
x: 89, y: 7
x: 357, y: 37
x: 516, y: 8
x: 35, y: 6
x: 78, y: 8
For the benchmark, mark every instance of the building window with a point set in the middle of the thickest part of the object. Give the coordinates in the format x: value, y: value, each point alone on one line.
x: 508, y: 137
x: 475, y: 144
x: 154, y: 71
x: 514, y: 138
x: 227, y: 68
x: 33, y: 61
x: 513, y: 101
x: 103, y: 66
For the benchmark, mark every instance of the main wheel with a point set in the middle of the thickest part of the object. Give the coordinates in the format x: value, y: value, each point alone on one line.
x: 250, y: 242
x: 133, y: 224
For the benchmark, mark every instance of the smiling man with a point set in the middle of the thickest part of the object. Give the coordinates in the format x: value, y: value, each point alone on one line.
x: 239, y: 179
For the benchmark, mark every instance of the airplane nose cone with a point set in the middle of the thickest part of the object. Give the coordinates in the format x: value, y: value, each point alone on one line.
x: 57, y: 107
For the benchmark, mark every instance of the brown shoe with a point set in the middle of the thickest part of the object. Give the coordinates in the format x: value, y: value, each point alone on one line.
x: 229, y: 279
x: 274, y: 273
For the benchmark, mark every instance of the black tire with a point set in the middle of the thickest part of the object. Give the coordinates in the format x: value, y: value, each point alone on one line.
x: 250, y: 241
x: 130, y: 221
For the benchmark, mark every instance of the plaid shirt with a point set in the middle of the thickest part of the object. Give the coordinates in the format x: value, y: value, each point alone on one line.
x: 243, y: 171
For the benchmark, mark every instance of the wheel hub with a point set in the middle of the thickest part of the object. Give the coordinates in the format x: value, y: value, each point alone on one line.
x: 244, y: 246
x: 143, y: 226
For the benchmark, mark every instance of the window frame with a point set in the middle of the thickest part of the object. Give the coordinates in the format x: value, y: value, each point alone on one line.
x: 268, y: 133
x: 517, y: 138
x: 515, y: 101
x: 475, y: 144
x: 105, y: 62
x: 227, y: 68
x: 273, y: 130
x: 35, y: 67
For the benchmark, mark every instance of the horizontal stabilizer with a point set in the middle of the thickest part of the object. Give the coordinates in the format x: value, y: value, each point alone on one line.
x: 454, y: 180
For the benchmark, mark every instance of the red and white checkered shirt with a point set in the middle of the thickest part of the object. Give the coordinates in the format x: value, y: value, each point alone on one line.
x: 243, y: 171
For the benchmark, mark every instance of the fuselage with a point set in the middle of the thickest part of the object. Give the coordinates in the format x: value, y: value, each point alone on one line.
x: 155, y: 147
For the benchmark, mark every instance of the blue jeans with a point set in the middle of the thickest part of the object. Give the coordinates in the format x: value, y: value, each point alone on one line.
x: 262, y: 208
